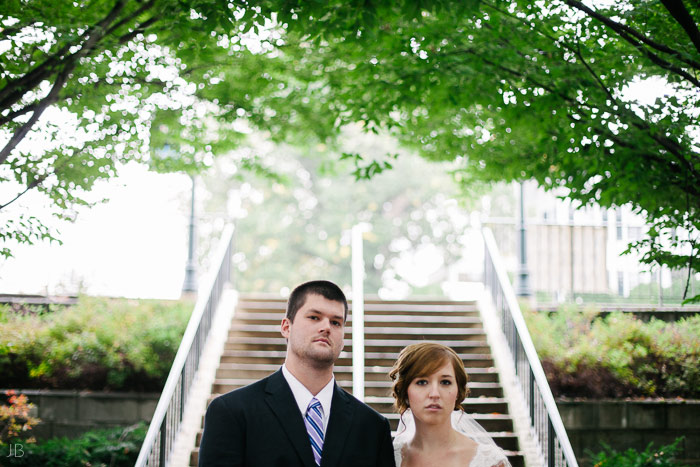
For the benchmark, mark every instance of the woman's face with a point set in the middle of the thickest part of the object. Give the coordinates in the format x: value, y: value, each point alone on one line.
x: 432, y: 398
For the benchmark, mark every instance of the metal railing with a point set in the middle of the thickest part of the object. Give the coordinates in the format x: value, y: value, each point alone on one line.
x: 165, y: 424
x: 544, y: 415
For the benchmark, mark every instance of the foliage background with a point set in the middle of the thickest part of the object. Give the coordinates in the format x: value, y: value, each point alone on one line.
x: 617, y: 355
x: 98, y: 344
x: 296, y: 227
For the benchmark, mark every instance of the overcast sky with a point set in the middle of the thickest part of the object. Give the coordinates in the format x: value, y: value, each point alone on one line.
x: 133, y: 246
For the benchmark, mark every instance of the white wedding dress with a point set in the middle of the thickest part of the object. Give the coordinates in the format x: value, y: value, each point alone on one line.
x: 488, y: 454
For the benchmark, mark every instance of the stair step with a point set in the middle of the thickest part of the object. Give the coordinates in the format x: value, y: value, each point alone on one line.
x: 374, y: 307
x: 371, y: 358
x: 371, y: 345
x: 504, y: 439
x: 490, y: 422
x: 372, y: 388
x: 483, y: 405
x: 371, y: 320
x: 260, y: 370
x: 436, y: 333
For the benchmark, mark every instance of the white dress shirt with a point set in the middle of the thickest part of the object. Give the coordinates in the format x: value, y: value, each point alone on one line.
x: 303, y: 396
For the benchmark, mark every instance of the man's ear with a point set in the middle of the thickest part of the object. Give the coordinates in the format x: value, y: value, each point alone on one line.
x: 285, y: 326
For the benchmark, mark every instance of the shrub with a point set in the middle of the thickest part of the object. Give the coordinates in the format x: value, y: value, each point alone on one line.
x: 114, y: 447
x: 15, y: 420
x: 619, y: 355
x: 665, y: 456
x: 97, y: 344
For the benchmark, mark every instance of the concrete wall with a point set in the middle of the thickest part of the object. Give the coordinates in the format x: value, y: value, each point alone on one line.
x: 71, y: 413
x: 632, y: 424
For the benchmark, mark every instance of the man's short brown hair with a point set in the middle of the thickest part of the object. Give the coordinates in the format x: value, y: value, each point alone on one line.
x: 420, y: 360
x: 326, y: 289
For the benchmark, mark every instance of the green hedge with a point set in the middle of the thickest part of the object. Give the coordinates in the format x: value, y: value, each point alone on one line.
x: 664, y: 456
x: 114, y: 447
x: 619, y: 355
x: 98, y: 344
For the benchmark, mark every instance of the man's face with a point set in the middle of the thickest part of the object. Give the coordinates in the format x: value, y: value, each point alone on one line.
x: 316, y: 336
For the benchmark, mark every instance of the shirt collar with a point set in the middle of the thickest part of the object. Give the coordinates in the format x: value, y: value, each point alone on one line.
x: 303, y: 396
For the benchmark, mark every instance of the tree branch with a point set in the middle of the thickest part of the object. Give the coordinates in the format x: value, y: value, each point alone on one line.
x: 31, y: 186
x: 12, y: 115
x: 627, y: 33
x: 517, y: 19
x: 595, y: 76
x: 93, y: 36
x: 7, y: 31
x: 14, y: 90
x: 138, y: 30
x: 145, y: 7
x: 666, y: 65
x: 682, y: 17
x: 22, y: 131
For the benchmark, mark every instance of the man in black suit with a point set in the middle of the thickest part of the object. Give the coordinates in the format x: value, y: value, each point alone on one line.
x: 299, y: 416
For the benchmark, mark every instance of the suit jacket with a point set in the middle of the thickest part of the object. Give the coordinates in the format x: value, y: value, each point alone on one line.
x: 260, y: 425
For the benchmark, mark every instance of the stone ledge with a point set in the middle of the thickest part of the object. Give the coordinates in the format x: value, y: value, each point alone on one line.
x: 630, y: 414
x: 70, y: 413
x: 624, y: 424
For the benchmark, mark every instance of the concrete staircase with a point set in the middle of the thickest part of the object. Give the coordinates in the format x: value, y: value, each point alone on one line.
x: 255, y: 349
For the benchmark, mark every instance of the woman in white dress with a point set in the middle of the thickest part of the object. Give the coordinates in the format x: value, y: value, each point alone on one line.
x: 429, y: 385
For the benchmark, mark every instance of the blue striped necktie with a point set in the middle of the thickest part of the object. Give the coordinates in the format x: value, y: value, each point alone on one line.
x: 314, y: 426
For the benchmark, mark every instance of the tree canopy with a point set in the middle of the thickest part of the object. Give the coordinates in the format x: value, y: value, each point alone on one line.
x: 82, y: 86
x: 510, y: 89
x: 517, y: 89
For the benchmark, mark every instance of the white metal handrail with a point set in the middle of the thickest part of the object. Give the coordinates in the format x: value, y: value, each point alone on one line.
x: 544, y: 415
x: 165, y: 424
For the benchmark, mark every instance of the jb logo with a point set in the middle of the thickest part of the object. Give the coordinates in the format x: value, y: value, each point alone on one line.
x: 16, y: 450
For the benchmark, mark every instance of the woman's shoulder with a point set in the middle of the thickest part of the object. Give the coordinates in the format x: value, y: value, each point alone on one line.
x: 489, y: 455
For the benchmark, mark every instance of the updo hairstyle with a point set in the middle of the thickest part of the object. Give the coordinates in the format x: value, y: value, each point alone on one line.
x: 421, y: 360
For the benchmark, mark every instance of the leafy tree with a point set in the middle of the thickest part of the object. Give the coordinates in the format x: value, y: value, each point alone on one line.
x: 298, y: 228
x: 88, y: 86
x: 515, y: 90
x: 510, y: 89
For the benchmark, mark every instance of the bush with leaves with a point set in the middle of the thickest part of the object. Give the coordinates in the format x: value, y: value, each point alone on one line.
x: 15, y: 419
x: 114, y: 447
x: 98, y: 344
x: 665, y: 456
x: 618, y: 355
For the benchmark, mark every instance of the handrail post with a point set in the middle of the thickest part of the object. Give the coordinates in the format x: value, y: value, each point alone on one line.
x: 162, y: 444
x: 358, y: 314
x: 551, y: 461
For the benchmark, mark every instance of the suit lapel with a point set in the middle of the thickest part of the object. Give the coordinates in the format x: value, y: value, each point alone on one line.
x: 279, y: 397
x: 339, y: 425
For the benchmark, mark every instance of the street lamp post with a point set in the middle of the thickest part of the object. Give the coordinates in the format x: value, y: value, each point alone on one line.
x: 523, y: 286
x: 190, y: 284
